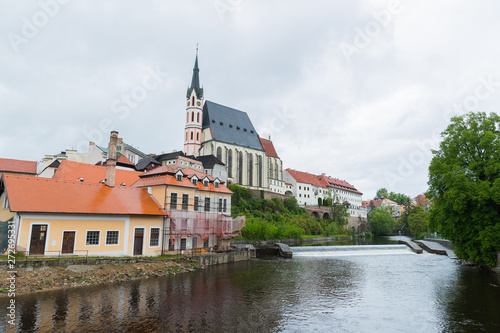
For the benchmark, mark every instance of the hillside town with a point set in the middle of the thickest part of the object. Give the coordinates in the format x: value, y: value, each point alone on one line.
x: 120, y: 201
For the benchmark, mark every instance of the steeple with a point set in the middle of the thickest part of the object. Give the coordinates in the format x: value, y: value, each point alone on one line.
x: 195, y: 81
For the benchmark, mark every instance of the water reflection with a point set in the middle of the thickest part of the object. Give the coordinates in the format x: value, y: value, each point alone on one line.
x: 389, y: 293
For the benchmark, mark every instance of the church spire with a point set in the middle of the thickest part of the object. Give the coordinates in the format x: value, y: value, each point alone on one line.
x: 195, y: 81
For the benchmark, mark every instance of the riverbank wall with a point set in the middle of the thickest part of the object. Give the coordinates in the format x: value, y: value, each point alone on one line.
x: 222, y: 258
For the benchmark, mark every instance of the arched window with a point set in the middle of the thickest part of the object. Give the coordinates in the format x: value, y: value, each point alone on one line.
x: 229, y: 163
x: 192, y: 116
x: 259, y: 170
x: 191, y: 135
x: 271, y: 169
x: 186, y: 135
x: 240, y: 168
x: 198, y: 136
x: 219, y: 153
x: 192, y: 101
x: 198, y: 117
x: 250, y: 169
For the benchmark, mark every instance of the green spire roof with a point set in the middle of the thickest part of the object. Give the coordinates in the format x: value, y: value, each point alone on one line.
x: 195, y: 81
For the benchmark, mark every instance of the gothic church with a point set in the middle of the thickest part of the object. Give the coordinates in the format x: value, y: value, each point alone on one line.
x: 228, y: 134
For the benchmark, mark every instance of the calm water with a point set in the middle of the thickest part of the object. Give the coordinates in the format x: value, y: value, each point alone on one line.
x: 376, y: 290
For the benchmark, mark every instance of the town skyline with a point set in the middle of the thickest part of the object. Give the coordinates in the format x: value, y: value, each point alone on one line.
x: 357, y: 91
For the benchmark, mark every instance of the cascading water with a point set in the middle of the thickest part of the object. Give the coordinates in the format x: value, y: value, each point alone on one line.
x: 349, y: 250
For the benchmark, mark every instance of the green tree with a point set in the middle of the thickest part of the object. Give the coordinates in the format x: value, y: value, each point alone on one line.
x: 381, y: 221
x: 417, y: 221
x: 381, y: 193
x: 464, y: 187
x: 400, y: 198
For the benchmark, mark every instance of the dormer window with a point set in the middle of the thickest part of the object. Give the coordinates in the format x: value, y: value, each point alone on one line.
x: 216, y: 183
x: 205, y: 182
x: 195, y: 181
x: 179, y: 177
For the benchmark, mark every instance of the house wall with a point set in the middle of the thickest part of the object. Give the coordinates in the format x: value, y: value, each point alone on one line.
x: 80, y: 224
x: 5, y: 213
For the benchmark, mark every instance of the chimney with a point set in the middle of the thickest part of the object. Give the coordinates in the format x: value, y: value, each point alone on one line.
x: 111, y: 161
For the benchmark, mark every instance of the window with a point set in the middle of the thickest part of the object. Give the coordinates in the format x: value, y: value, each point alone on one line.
x: 154, y: 238
x: 173, y: 201
x: 196, y: 203
x: 205, y: 182
x: 93, y: 237
x: 224, y: 209
x: 183, y: 241
x: 299, y: 187
x: 229, y: 163
x: 240, y: 168
x: 216, y: 184
x: 192, y: 101
x: 205, y: 243
x: 207, y: 204
x: 198, y: 117
x: 250, y: 169
x: 191, y: 135
x: 219, y: 153
x: 192, y: 116
x: 220, y: 206
x: 111, y: 237
x: 6, y: 202
x: 179, y: 177
x: 185, y: 201
x: 195, y: 181
x: 197, y: 136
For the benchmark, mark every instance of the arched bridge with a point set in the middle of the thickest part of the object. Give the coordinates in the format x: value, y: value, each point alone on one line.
x: 318, y: 212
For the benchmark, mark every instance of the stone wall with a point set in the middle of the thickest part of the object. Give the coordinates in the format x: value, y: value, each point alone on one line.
x: 222, y: 258
x: 268, y: 195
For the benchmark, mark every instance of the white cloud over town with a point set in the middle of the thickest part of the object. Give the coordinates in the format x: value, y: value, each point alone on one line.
x: 357, y: 90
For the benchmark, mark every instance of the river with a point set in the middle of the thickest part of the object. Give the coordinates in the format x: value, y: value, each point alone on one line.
x: 377, y: 289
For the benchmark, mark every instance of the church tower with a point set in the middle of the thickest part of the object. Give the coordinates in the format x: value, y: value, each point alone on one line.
x: 194, y: 113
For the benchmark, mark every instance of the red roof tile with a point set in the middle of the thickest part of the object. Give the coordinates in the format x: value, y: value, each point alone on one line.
x: 159, y: 170
x: 17, y: 166
x: 172, y: 181
x: 337, y: 184
x: 69, y: 170
x: 304, y: 177
x: 32, y: 194
x: 123, y: 160
x: 268, y: 147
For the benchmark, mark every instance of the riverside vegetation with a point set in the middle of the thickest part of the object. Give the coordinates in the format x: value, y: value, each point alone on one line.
x: 282, y: 219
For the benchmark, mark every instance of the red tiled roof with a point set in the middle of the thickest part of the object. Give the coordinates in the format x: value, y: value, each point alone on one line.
x: 304, y: 177
x: 32, y: 194
x: 17, y: 166
x: 172, y: 181
x: 159, y: 170
x: 69, y: 170
x: 338, y: 184
x: 123, y: 160
x: 378, y: 202
x: 421, y: 200
x: 268, y: 147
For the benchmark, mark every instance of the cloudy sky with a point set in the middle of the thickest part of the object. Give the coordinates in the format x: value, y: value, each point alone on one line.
x: 359, y: 90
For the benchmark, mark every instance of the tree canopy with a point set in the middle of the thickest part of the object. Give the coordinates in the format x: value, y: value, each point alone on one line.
x: 381, y: 221
x: 464, y: 186
x: 399, y: 198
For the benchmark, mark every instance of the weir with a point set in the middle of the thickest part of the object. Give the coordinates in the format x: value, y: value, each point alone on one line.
x: 349, y: 250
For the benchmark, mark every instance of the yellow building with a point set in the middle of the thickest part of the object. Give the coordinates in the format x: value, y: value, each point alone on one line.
x: 53, y: 217
x: 198, y: 205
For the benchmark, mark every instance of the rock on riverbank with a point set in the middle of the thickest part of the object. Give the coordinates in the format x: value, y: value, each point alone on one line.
x: 53, y: 277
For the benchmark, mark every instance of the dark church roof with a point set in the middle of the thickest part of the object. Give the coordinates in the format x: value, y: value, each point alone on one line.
x: 195, y: 81
x: 209, y: 161
x: 230, y: 126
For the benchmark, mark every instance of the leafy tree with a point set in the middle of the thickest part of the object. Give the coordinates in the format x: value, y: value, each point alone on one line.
x: 381, y: 193
x: 464, y: 187
x: 381, y: 221
x: 400, y: 198
x: 417, y: 221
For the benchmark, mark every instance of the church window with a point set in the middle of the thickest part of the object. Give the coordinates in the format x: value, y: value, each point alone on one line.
x: 192, y: 101
x: 192, y: 116
x: 198, y: 136
x: 191, y: 135
x: 271, y: 169
x: 186, y: 136
x: 198, y: 117
x: 187, y: 117
x: 276, y: 176
x: 259, y: 170
x: 219, y: 153
x: 250, y: 169
x: 240, y: 168
x: 229, y: 163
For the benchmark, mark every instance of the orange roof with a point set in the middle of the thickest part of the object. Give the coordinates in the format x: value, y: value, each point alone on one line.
x: 304, y: 177
x: 123, y: 160
x: 338, y: 184
x: 17, y: 166
x: 94, y: 174
x: 172, y: 181
x: 269, y: 147
x: 378, y: 202
x: 159, y: 170
x: 45, y: 195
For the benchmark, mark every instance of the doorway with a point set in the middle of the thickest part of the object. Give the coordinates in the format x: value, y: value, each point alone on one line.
x: 138, y: 241
x: 68, y: 243
x: 38, y: 237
